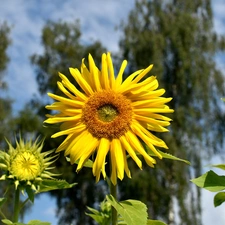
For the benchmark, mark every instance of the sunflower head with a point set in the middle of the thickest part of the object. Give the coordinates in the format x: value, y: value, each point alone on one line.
x: 109, y: 116
x: 26, y: 164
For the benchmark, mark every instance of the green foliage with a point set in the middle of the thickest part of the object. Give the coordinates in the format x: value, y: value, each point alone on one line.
x: 214, y: 183
x: 133, y: 212
x: 103, y: 216
x: 210, y: 181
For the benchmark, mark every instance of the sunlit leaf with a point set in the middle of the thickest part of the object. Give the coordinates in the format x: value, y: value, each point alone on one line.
x: 133, y: 212
x: 210, y: 181
x: 219, y: 198
x: 220, y: 166
x: 5, y: 221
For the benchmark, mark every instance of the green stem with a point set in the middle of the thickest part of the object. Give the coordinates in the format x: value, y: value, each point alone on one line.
x: 113, y: 189
x: 16, y: 206
x: 2, y: 214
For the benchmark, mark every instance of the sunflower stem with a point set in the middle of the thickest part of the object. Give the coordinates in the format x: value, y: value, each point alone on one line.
x: 113, y: 189
x: 16, y: 206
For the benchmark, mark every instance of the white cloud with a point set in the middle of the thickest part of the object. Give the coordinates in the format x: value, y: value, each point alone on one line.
x: 98, y: 20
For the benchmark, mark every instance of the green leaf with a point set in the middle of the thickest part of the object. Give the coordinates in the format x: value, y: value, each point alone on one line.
x: 88, y: 163
x: 38, y: 222
x: 155, y: 222
x: 2, y: 201
x: 168, y: 156
x: 49, y: 185
x: 5, y: 221
x: 220, y: 166
x: 210, y: 181
x: 223, y: 99
x: 133, y: 212
x: 30, y: 194
x: 219, y: 198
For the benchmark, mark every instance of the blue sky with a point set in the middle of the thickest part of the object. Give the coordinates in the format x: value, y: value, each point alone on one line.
x: 98, y: 19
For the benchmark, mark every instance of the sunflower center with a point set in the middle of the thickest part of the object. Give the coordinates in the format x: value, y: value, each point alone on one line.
x: 107, y: 114
x: 25, y: 166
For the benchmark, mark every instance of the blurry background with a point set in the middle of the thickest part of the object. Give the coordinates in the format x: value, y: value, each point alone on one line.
x: 184, y: 39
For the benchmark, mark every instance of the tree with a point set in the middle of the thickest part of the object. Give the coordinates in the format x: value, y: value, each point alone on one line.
x: 177, y: 36
x: 63, y: 49
x: 5, y: 103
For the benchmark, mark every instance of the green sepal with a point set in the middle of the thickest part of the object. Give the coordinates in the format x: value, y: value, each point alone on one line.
x: 30, y: 193
x: 49, y: 185
x: 219, y: 198
x: 132, y: 212
x: 210, y: 181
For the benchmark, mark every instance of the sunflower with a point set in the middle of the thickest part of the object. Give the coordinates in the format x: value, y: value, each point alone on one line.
x: 109, y: 116
x: 26, y: 165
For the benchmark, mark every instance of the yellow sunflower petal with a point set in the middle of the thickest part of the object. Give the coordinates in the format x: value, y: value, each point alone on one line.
x: 105, y: 76
x: 116, y: 148
x: 76, y: 129
x: 125, y: 86
x: 99, y: 163
x: 130, y: 151
x: 119, y: 77
x: 135, y: 143
x: 142, y: 74
x: 113, y: 166
x: 81, y: 81
x: 111, y: 71
x: 94, y: 72
x: 71, y: 87
x: 66, y: 101
x: 90, y: 149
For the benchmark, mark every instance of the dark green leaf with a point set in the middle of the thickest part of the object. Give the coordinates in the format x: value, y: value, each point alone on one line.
x: 210, y: 181
x: 30, y: 194
x: 219, y: 198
